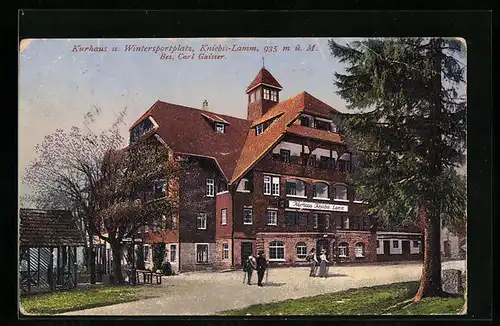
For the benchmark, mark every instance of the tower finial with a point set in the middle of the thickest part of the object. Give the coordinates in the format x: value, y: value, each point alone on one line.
x: 263, y: 62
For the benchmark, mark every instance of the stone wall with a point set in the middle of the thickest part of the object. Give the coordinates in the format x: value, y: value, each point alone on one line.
x: 187, y: 257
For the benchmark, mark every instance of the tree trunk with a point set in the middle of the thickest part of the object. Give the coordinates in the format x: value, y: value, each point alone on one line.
x: 430, y: 281
x: 116, y: 248
x: 91, y: 259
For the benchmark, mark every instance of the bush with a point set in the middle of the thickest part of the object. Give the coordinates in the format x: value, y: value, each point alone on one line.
x: 166, y: 269
x: 158, y: 255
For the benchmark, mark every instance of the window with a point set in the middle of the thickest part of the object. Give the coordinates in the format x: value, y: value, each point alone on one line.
x: 304, y: 121
x: 295, y: 187
x: 315, y: 220
x: 219, y: 127
x: 267, y: 185
x: 201, y: 221
x: 276, y: 250
x: 247, y: 216
x: 378, y: 244
x: 290, y: 218
x: 159, y: 188
x: 340, y: 192
x: 272, y: 217
x: 221, y: 186
x: 259, y: 129
x: 343, y: 249
x: 416, y: 244
x: 323, y: 125
x: 142, y: 128
x: 210, y: 187
x: 345, y: 222
x: 252, y: 97
x: 301, y: 250
x: 274, y: 95
x: 275, y: 189
x: 174, y: 223
x: 327, y: 221
x: 225, y: 251
x: 320, y: 190
x: 257, y: 95
x: 344, y: 166
x: 285, y: 155
x: 201, y: 253
x: 312, y: 160
x: 146, y: 253
x: 223, y: 216
x: 266, y: 94
x: 325, y: 162
x: 359, y: 249
x: 395, y: 243
x: 173, y: 252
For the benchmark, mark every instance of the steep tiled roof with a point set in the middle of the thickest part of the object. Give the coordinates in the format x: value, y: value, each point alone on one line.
x: 264, y: 77
x: 48, y: 228
x: 187, y: 131
x: 314, y: 133
x: 283, y: 113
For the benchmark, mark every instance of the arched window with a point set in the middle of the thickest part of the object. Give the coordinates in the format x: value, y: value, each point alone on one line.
x: 320, y: 190
x: 277, y: 250
x: 359, y: 249
x: 295, y: 187
x: 343, y: 249
x: 301, y: 250
x: 340, y: 192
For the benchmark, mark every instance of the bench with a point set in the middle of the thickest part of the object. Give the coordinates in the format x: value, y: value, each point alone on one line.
x: 147, y: 276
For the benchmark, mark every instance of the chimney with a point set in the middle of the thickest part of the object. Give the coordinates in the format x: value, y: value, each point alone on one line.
x: 205, y: 105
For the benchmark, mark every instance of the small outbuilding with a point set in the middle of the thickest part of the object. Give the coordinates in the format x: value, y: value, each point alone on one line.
x: 48, y: 241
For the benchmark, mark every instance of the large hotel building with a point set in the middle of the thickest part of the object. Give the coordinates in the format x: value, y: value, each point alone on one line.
x: 274, y: 182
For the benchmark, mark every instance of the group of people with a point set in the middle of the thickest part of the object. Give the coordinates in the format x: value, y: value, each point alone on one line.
x: 258, y: 264
x: 313, y: 260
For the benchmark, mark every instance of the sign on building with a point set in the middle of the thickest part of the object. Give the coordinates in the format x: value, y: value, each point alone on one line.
x: 317, y: 206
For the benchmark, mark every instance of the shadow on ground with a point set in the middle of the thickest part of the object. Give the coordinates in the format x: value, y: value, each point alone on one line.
x: 274, y: 284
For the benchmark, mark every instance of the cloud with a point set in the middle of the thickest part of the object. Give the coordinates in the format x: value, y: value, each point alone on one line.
x: 24, y: 44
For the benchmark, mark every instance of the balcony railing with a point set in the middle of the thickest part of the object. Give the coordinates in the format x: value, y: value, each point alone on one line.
x: 342, y: 165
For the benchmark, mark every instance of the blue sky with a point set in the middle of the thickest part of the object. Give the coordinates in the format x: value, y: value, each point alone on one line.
x: 58, y: 86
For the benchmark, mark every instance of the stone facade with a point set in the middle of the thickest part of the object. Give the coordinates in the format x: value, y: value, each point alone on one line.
x: 187, y: 257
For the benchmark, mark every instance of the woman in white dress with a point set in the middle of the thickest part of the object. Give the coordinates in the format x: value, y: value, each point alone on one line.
x: 322, y: 265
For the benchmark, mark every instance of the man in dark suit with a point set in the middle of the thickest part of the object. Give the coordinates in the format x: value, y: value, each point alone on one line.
x: 261, y: 267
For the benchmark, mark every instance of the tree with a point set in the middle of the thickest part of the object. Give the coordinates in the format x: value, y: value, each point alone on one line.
x: 408, y: 135
x: 108, y: 186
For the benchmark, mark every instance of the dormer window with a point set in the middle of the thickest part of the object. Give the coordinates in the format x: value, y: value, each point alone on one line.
x: 259, y: 129
x: 219, y: 127
x: 274, y: 95
x: 267, y: 96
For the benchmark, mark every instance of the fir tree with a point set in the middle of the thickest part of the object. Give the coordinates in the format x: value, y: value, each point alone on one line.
x: 408, y: 136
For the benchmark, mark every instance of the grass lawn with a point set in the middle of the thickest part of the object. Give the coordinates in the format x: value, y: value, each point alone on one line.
x: 377, y: 300
x: 80, y: 298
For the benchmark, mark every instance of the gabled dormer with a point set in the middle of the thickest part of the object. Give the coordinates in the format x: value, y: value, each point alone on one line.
x: 218, y: 124
x: 263, y: 93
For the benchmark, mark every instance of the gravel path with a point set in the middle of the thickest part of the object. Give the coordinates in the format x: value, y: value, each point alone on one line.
x: 204, y: 293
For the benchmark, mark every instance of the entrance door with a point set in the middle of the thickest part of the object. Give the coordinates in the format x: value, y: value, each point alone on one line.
x: 387, y: 247
x: 323, y: 244
x: 246, y: 250
x: 405, y: 247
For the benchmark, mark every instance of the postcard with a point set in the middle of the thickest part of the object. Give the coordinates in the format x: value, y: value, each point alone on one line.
x: 284, y: 176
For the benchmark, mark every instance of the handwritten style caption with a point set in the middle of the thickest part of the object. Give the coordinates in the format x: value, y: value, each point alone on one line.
x: 203, y: 52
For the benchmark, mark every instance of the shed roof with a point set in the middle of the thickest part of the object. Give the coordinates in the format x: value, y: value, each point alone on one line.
x: 48, y: 228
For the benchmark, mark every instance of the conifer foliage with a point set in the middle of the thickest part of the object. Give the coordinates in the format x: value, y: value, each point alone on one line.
x: 408, y: 134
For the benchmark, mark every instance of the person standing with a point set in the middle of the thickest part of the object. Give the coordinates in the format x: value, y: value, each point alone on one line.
x: 249, y: 266
x: 322, y: 264
x: 313, y: 260
x: 261, y: 267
